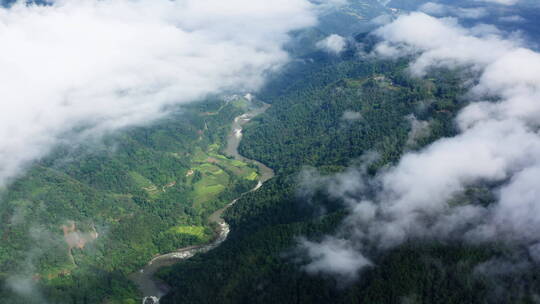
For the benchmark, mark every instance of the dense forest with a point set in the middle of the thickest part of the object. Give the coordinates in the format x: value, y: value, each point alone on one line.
x: 84, y: 218
x: 327, y: 119
x: 81, y: 220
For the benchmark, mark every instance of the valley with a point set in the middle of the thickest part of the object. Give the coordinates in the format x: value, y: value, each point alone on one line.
x: 153, y: 192
x: 153, y: 288
x: 388, y: 152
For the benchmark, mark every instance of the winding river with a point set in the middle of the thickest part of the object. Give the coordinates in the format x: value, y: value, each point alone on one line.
x: 151, y: 287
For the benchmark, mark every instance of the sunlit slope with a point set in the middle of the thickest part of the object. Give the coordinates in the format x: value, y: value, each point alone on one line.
x: 82, y: 219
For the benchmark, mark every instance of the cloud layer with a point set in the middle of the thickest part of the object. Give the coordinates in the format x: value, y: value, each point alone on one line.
x: 97, y: 66
x: 502, y: 2
x: 333, y: 44
x: 498, y: 145
x: 437, y: 9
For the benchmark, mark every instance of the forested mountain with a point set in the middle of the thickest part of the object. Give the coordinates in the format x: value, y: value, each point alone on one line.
x: 85, y: 218
x: 230, y: 184
x: 327, y: 114
x: 326, y: 120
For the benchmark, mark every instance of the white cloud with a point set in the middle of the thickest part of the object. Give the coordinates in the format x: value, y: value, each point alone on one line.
x: 382, y: 19
x: 104, y: 65
x: 419, y: 130
x: 334, y: 256
x: 442, y: 42
x: 502, y: 2
x: 440, y: 10
x: 433, y: 8
x: 512, y: 18
x: 333, y: 44
x: 351, y: 115
x: 498, y: 143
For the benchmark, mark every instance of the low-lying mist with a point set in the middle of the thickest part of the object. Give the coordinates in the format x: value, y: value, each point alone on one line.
x: 71, y: 70
x: 498, y: 145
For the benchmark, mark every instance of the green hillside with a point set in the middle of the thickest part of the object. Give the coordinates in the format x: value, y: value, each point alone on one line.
x: 84, y: 218
x: 306, y: 126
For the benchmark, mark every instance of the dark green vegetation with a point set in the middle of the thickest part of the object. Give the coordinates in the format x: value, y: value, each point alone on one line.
x: 81, y: 220
x: 308, y: 125
x: 348, y: 109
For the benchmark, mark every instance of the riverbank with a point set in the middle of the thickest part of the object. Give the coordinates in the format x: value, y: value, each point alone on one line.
x: 152, y: 288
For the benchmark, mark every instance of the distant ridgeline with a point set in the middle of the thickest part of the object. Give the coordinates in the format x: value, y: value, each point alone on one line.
x: 327, y: 112
x: 84, y: 218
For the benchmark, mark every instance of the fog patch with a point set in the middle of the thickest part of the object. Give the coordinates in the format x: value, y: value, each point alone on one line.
x: 382, y: 19
x: 502, y: 2
x: 334, y: 256
x: 419, y: 129
x: 497, y: 148
x: 351, y: 116
x: 74, y: 70
x: 441, y: 10
x: 334, y: 44
x: 25, y: 282
x: 512, y: 19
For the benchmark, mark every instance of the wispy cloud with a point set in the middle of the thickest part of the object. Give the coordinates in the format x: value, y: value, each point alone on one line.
x: 502, y: 2
x: 440, y: 10
x: 497, y: 148
x: 97, y: 66
x: 334, y: 44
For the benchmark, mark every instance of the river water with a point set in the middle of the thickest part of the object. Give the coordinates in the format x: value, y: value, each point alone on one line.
x: 151, y: 287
